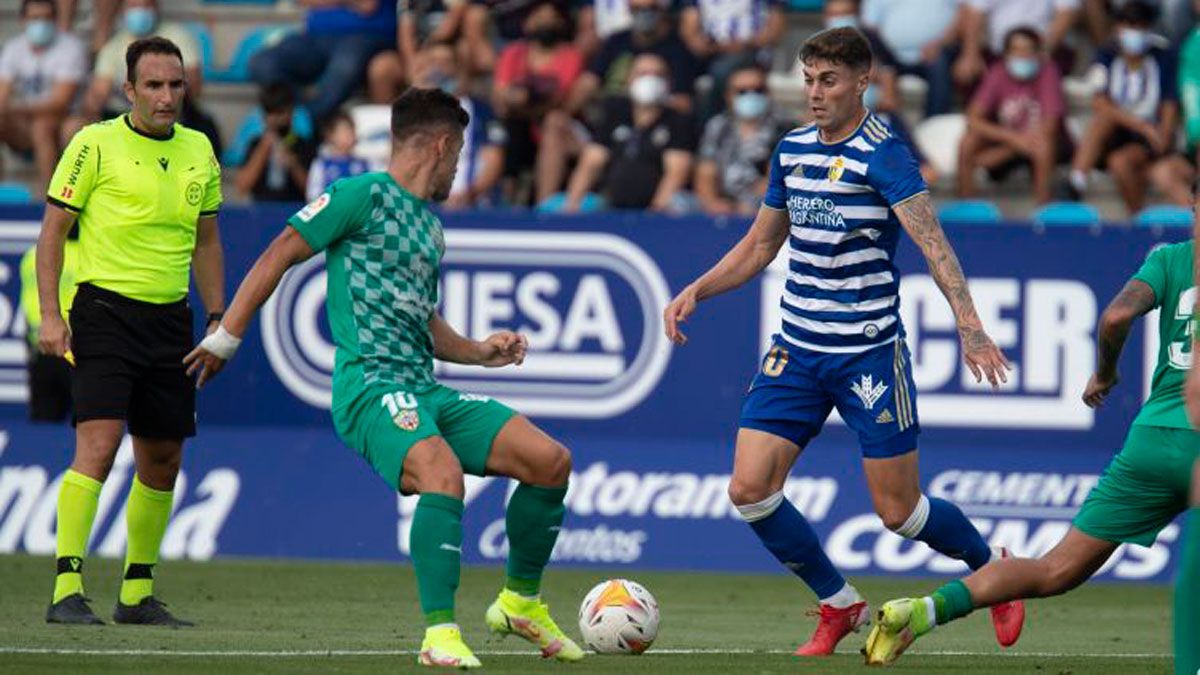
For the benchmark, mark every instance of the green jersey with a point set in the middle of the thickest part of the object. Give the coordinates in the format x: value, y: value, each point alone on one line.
x: 1168, y: 271
x: 383, y: 248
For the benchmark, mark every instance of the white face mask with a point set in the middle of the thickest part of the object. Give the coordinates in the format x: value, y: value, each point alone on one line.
x: 648, y: 90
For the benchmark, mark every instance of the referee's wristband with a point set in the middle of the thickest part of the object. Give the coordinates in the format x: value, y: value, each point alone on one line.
x: 221, y: 343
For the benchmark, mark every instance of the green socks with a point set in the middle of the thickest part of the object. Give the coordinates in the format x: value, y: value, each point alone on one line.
x: 1187, y: 611
x: 146, y: 516
x: 77, y: 500
x: 435, y: 543
x: 952, y: 601
x: 532, y: 522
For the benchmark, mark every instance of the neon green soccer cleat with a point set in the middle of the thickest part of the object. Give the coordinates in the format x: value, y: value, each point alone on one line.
x: 443, y: 647
x: 512, y: 614
x: 897, y: 625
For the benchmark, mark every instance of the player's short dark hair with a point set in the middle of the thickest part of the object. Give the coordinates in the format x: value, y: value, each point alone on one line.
x: 1025, y: 32
x: 839, y: 46
x: 418, y: 110
x: 154, y: 44
x: 276, y: 98
x: 25, y: 4
x: 1136, y: 13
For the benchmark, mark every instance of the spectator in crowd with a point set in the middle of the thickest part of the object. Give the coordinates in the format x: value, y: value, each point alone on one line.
x: 645, y: 144
x: 651, y: 32
x: 1175, y: 19
x: 726, y: 34
x: 104, y: 12
x: 336, y: 159
x: 481, y: 161
x: 507, y: 17
x: 105, y: 97
x: 735, y: 151
x: 332, y: 52
x: 598, y: 20
x: 40, y: 71
x: 1016, y: 118
x: 276, y: 169
x: 923, y: 36
x: 987, y: 22
x: 533, y: 79
x: 1135, y: 113
x: 886, y: 93
x: 419, y: 23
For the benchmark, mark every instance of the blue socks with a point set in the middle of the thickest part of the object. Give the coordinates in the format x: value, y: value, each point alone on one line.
x: 789, y: 537
x: 946, y: 530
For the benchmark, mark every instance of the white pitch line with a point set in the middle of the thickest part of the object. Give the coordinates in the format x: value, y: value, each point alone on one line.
x: 286, y: 653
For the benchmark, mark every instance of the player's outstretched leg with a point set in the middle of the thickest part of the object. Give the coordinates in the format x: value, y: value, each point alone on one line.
x: 761, y: 466
x: 532, y: 522
x: 146, y: 514
x: 77, y: 501
x: 900, y: 622
x: 1187, y: 589
x: 940, y: 524
x: 435, y: 544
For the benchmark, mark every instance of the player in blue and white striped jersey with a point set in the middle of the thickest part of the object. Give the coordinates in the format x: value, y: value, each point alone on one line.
x: 839, y: 192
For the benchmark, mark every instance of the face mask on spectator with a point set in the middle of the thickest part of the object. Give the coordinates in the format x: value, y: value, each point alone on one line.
x: 548, y: 36
x: 750, y: 105
x: 40, y: 32
x: 645, y: 20
x: 843, y: 21
x: 1022, y: 67
x: 140, y: 20
x: 648, y: 90
x: 1133, y: 41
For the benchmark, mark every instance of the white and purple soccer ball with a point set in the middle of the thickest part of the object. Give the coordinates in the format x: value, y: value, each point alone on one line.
x: 619, y: 616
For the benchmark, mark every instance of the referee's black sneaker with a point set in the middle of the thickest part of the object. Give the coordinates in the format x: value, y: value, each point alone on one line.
x: 72, y: 609
x: 149, y: 612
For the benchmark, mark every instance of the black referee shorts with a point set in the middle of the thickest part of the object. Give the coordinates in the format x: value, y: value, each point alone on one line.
x: 129, y: 363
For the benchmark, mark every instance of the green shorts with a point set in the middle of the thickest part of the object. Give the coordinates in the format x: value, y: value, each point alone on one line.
x: 1143, y: 488
x: 382, y: 424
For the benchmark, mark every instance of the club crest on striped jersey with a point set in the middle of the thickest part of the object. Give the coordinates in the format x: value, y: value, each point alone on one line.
x: 837, y: 169
x: 868, y: 390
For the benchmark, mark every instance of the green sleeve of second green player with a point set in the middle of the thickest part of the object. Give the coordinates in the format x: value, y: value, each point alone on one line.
x: 335, y: 214
x: 1154, y: 273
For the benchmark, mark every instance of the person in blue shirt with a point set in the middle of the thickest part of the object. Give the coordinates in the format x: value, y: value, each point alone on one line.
x: 336, y: 159
x: 839, y: 191
x: 332, y: 52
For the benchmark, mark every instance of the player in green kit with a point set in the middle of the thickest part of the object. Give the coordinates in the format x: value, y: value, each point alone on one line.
x: 383, y: 248
x: 1143, y: 489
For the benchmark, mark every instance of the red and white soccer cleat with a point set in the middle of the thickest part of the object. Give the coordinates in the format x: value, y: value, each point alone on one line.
x: 1008, y: 618
x: 834, y: 624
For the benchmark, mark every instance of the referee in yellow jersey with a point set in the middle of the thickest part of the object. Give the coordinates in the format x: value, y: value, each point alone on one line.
x: 145, y: 191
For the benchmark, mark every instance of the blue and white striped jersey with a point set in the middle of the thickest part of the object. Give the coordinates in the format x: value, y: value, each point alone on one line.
x: 842, y: 285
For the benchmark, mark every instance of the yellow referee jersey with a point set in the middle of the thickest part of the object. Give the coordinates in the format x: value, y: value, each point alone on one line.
x: 138, y: 199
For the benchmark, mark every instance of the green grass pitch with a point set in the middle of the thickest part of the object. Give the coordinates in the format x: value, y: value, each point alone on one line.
x: 286, y: 617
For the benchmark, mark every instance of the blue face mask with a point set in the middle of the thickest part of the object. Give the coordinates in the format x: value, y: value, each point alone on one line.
x: 140, y: 21
x: 871, y: 97
x: 1133, y: 42
x: 750, y: 105
x: 1022, y: 67
x: 843, y: 21
x: 40, y: 32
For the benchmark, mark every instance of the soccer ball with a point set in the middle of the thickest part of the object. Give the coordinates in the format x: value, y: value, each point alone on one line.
x: 619, y: 616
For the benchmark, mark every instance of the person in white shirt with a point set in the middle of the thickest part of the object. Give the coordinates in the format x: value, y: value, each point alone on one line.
x: 40, y: 71
x: 986, y: 22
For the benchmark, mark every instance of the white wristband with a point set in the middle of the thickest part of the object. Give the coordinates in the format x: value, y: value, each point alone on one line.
x: 221, y: 343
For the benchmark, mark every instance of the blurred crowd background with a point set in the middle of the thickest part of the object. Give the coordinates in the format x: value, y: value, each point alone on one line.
x: 1016, y: 108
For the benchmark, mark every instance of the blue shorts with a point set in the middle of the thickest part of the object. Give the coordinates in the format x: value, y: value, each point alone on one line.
x: 796, y: 388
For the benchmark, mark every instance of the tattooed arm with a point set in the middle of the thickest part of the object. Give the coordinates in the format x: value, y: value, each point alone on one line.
x: 1134, y: 300
x: 982, y: 356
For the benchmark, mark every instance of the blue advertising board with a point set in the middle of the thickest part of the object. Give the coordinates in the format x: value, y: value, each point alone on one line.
x: 650, y: 424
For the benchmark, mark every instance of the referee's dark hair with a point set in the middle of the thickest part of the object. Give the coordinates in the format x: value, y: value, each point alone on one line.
x: 151, y: 45
x: 840, y: 46
x: 418, y: 110
x: 25, y: 4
